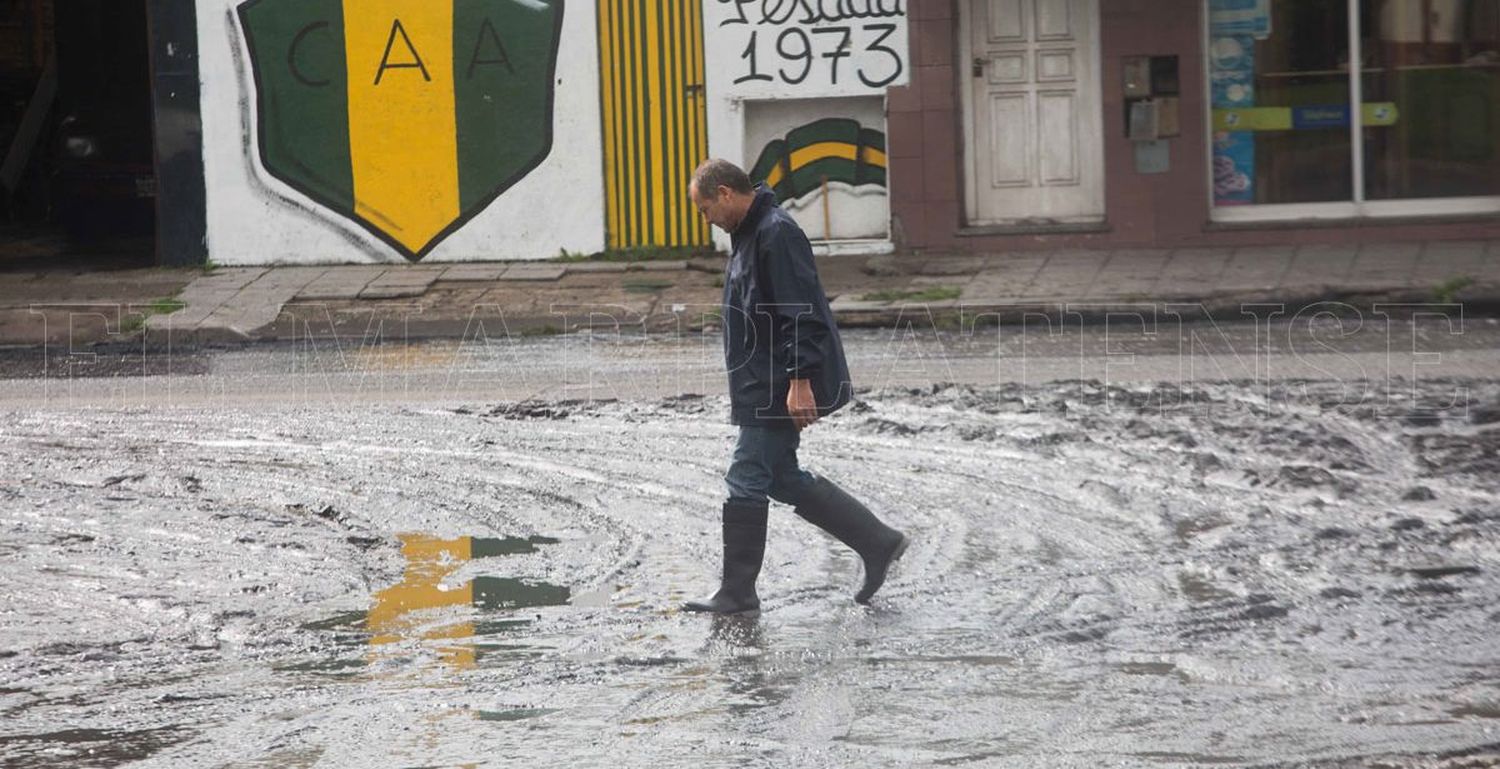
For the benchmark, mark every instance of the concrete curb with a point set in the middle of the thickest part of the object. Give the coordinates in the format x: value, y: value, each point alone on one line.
x: 944, y: 316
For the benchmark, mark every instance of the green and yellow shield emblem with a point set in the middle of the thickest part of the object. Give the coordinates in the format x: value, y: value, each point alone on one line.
x: 407, y: 116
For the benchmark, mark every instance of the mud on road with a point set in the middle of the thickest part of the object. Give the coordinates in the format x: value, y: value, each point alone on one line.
x: 1227, y: 574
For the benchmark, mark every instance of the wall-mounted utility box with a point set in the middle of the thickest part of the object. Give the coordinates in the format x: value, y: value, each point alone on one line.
x: 1151, y: 86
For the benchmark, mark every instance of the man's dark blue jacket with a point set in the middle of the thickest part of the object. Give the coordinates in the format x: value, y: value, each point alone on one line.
x: 777, y: 322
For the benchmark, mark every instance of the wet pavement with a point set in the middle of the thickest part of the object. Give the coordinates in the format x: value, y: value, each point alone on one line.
x: 269, y: 560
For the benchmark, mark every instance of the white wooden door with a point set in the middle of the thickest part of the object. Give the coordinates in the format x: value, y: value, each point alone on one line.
x: 1033, y: 112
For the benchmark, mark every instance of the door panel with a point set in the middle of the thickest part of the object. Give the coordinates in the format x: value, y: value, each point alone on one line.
x: 1011, y: 159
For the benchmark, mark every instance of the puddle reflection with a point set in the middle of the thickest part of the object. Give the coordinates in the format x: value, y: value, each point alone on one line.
x: 395, y: 615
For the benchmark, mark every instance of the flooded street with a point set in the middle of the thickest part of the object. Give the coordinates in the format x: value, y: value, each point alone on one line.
x: 473, y: 555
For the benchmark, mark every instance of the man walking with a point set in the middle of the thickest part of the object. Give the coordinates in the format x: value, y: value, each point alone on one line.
x: 786, y: 370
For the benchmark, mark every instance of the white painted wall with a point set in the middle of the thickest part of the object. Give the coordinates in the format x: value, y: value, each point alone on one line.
x: 255, y: 219
x: 733, y: 29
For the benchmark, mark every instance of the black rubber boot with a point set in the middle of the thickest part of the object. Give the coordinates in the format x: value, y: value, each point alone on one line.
x: 744, y: 547
x: 831, y: 509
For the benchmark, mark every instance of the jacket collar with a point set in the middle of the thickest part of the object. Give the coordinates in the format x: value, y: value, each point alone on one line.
x: 764, y: 201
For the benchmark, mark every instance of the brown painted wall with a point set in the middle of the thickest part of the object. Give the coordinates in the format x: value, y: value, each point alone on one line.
x: 1167, y: 210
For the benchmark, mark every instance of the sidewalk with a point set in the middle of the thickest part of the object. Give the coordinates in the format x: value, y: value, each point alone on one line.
x: 249, y: 304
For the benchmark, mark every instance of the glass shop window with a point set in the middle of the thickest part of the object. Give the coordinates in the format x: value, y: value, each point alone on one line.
x: 1286, y: 131
x: 1435, y: 66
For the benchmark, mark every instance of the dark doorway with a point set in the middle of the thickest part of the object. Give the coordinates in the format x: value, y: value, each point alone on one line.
x: 79, y: 180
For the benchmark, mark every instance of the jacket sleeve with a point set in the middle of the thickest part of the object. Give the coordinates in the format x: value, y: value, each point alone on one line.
x: 794, y: 293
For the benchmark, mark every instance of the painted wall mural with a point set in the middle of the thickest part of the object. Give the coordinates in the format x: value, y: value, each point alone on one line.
x: 408, y: 116
x: 360, y: 131
x: 831, y: 150
x: 825, y: 159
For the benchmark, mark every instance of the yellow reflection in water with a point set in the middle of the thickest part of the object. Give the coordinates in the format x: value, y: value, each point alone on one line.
x: 428, y: 562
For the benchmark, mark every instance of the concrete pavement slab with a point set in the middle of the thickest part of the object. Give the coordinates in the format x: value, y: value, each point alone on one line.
x: 230, y: 277
x: 1071, y: 283
x: 1387, y: 260
x: 393, y: 291
x: 1004, y: 276
x: 952, y: 265
x: 1450, y: 260
x: 466, y: 273
x: 987, y: 294
x: 289, y: 276
x: 1068, y: 272
x: 535, y: 271
x: 1130, y: 273
x: 1490, y: 268
x: 594, y: 267
x: 1254, y: 269
x: 1320, y: 265
x: 182, y: 320
x: 341, y: 283
x: 1013, y: 264
x: 400, y: 283
x: 1135, y: 261
x: 404, y: 281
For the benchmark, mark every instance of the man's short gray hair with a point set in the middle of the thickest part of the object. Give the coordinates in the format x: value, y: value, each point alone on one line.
x: 714, y: 173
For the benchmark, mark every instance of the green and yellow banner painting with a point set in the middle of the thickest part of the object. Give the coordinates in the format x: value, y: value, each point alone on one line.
x: 831, y: 149
x: 407, y: 116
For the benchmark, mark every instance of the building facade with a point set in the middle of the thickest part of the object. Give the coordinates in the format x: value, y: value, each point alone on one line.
x: 1180, y: 123
x: 346, y: 131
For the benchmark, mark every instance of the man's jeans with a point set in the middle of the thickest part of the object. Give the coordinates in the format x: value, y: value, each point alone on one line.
x: 765, y: 465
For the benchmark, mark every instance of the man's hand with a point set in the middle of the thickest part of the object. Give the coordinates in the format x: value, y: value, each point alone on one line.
x: 801, y: 404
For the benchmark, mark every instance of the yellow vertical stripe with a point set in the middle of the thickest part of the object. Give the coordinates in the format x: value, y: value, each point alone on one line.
x: 402, y: 132
x: 650, y: 106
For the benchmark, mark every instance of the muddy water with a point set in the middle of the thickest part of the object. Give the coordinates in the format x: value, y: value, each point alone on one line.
x: 1221, y: 574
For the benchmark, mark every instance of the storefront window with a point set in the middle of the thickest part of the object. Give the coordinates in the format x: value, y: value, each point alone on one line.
x: 1284, y: 127
x: 1436, y: 64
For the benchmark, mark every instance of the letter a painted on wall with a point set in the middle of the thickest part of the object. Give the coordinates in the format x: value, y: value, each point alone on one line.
x: 406, y: 116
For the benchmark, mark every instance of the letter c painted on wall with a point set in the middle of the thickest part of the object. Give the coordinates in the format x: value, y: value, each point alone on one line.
x: 291, y: 55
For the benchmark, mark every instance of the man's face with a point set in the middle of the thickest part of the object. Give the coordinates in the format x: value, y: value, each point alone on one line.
x: 715, y: 206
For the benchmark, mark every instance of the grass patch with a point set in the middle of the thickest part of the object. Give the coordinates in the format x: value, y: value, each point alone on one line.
x: 1448, y: 289
x: 933, y: 294
x: 137, y: 320
x: 638, y: 254
x: 165, y: 306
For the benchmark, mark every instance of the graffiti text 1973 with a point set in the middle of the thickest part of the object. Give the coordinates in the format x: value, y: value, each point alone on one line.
x: 800, y: 48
